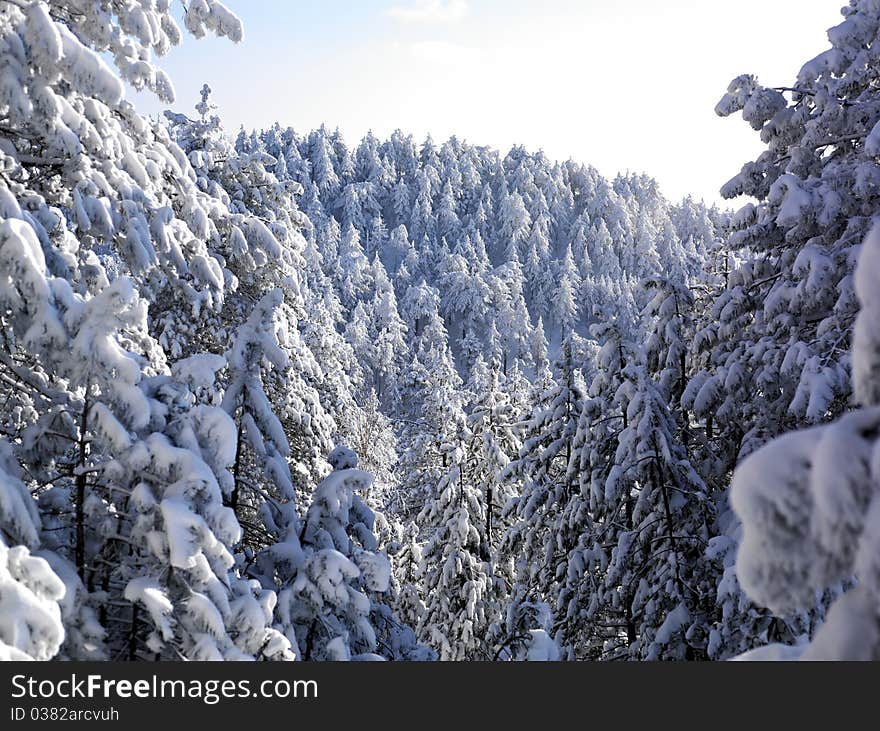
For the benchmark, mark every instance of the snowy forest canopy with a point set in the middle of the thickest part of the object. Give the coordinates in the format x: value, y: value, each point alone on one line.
x: 266, y: 395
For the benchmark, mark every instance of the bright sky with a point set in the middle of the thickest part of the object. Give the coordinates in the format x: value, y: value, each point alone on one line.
x: 622, y: 85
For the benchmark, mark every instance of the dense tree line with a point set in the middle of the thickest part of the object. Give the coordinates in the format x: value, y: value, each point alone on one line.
x: 268, y: 396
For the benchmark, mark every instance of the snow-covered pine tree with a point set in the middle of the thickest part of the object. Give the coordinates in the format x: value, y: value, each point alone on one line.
x: 493, y: 442
x: 775, y: 345
x: 527, y: 633
x: 780, y: 331
x: 406, y: 561
x: 432, y: 392
x: 459, y: 587
x: 565, y: 310
x: 389, y: 344
x: 371, y: 433
x: 260, y: 472
x: 534, y: 539
x: 330, y: 577
x: 670, y: 311
x: 654, y: 522
x: 809, y: 508
x: 30, y: 591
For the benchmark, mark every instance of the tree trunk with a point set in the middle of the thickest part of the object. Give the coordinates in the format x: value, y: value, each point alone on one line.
x: 630, y: 624
x: 488, y: 516
x: 236, y: 470
x: 307, y: 653
x: 670, y: 533
x: 80, y: 484
x: 132, y: 635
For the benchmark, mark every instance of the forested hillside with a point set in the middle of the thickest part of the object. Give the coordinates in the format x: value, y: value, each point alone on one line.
x: 270, y: 395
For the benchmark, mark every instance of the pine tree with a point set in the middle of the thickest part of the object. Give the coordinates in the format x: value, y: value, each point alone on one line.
x: 656, y: 516
x: 808, y: 509
x: 432, y: 391
x: 30, y: 591
x: 783, y: 322
x: 493, y: 442
x: 458, y: 586
x: 406, y: 561
x: 515, y: 225
x: 565, y: 309
x: 541, y: 467
x: 260, y: 440
x: 331, y: 578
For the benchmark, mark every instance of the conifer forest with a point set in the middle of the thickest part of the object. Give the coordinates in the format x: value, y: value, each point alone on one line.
x: 274, y: 394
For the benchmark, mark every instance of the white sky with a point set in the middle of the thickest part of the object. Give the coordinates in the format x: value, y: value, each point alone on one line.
x: 620, y: 85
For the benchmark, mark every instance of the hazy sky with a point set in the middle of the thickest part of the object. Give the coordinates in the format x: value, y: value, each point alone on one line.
x: 622, y: 85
